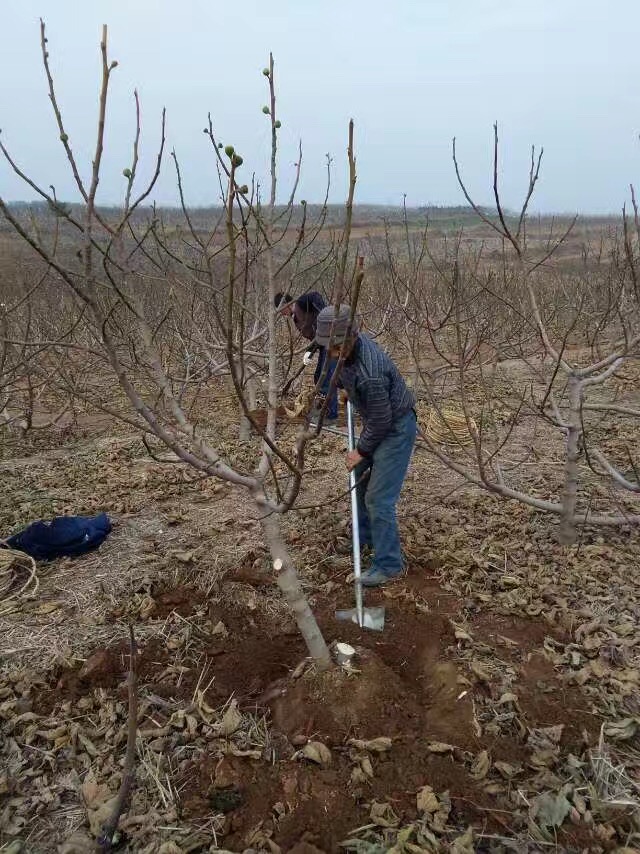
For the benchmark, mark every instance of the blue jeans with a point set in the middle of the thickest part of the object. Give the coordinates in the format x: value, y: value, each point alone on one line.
x: 378, y: 494
x: 332, y: 407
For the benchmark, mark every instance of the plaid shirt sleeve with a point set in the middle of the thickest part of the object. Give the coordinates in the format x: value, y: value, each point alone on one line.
x: 375, y: 396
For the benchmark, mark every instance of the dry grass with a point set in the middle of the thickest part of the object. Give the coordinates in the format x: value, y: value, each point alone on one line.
x: 608, y: 780
x: 18, y: 579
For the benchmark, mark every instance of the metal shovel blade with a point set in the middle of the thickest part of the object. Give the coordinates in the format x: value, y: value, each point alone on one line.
x: 372, y: 618
x: 366, y: 618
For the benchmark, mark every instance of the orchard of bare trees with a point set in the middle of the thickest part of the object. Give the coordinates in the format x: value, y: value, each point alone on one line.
x: 520, y: 336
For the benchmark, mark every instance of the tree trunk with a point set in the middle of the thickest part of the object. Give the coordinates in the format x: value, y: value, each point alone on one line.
x: 245, y: 425
x: 291, y: 589
x: 568, y: 533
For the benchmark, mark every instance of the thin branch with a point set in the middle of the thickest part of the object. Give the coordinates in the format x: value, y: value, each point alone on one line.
x: 105, y: 840
x: 613, y: 472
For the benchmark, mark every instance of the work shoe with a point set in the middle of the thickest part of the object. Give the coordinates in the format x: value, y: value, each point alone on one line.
x: 376, y: 577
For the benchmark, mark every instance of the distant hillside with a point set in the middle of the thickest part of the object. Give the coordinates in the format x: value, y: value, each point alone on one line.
x: 365, y: 216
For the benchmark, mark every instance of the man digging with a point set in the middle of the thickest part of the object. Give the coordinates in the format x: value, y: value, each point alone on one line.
x: 387, y: 408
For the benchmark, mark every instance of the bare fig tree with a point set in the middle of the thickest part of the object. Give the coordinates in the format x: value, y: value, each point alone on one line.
x: 31, y: 326
x: 168, y: 311
x: 522, y: 345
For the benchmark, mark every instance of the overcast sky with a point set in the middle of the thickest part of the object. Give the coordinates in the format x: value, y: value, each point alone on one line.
x: 411, y: 73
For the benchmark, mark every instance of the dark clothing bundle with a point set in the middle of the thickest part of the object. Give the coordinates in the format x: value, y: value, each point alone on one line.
x: 64, y: 536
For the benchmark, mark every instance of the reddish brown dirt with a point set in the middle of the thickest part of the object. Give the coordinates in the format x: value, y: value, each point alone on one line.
x: 321, y: 805
x: 182, y: 600
x: 105, y: 668
x: 259, y: 416
x: 410, y: 688
x: 544, y: 698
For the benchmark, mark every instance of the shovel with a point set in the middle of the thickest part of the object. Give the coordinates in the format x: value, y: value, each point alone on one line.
x: 367, y: 618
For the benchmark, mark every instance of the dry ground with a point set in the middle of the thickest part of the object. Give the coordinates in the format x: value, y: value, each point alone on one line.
x: 494, y: 713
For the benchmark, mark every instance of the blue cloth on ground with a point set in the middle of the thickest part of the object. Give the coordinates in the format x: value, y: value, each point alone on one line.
x: 64, y: 536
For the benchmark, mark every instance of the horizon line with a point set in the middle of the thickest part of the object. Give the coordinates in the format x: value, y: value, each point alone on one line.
x: 460, y: 208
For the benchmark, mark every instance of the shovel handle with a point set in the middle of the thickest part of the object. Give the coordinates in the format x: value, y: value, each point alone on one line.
x: 355, y: 531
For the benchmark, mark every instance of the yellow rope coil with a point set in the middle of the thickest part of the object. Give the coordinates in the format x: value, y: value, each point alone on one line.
x: 302, y: 404
x: 304, y: 399
x: 448, y: 426
x: 18, y: 578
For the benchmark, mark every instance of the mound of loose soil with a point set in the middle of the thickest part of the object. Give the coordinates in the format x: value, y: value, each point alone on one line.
x: 410, y: 684
x: 334, y: 707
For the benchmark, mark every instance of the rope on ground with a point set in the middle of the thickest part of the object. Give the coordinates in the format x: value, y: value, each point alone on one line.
x: 302, y: 404
x: 304, y: 400
x: 448, y: 426
x: 18, y: 578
